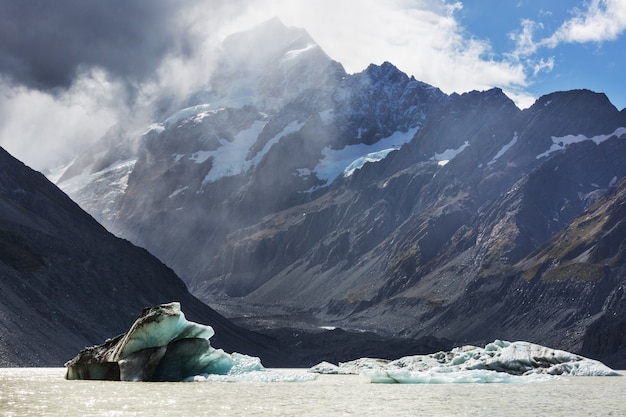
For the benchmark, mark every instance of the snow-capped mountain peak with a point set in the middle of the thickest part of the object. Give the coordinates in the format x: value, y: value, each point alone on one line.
x: 287, y: 182
x: 269, y: 66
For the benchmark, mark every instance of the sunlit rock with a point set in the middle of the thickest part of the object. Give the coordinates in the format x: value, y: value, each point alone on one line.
x: 160, y: 346
x: 500, y: 361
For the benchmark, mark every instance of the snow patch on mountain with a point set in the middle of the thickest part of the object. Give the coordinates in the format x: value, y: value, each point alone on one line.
x: 154, y: 127
x: 106, y: 185
x: 503, y: 150
x: 117, y: 173
x: 290, y: 56
x: 336, y: 162
x: 448, y: 155
x: 559, y: 143
x: 188, y: 112
x: 370, y: 157
x: 231, y: 158
x: 178, y: 191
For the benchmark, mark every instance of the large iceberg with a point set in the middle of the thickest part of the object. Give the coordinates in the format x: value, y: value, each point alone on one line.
x: 500, y: 361
x: 162, y: 345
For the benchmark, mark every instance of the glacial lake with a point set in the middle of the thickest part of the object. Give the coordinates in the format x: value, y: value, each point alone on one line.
x: 45, y: 392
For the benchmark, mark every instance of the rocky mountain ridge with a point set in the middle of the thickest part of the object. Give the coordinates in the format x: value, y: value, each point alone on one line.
x: 367, y: 201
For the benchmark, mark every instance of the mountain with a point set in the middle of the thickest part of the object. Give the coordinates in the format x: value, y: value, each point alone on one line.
x: 591, y: 253
x: 67, y: 283
x: 288, y: 193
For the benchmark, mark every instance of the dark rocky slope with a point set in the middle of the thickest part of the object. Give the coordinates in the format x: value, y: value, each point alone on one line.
x: 67, y: 283
x: 591, y: 254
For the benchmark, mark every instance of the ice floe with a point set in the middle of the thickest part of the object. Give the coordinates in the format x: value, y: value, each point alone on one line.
x: 162, y: 345
x: 500, y: 361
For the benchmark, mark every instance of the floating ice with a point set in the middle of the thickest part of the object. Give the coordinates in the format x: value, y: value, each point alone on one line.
x: 500, y: 361
x: 163, y: 346
x: 478, y: 376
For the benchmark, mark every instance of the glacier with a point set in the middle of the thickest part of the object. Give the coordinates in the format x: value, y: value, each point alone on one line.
x: 337, y: 162
x: 231, y: 158
x: 497, y: 362
x: 162, y: 345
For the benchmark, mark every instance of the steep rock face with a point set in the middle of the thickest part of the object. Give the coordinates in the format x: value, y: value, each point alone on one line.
x: 381, y: 100
x: 67, y: 282
x: 551, y: 196
x: 479, y: 285
x: 591, y: 252
x: 410, y: 250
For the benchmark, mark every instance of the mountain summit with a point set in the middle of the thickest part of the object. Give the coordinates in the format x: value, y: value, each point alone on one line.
x: 292, y: 190
x: 270, y: 66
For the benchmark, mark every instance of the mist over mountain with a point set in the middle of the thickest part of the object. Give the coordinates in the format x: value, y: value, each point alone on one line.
x: 287, y: 192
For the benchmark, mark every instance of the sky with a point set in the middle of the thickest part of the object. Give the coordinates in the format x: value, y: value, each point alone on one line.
x: 70, y: 69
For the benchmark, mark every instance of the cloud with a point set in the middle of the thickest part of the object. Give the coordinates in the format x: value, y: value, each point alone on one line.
x: 543, y: 64
x: 421, y: 37
x: 70, y: 69
x: 45, y: 44
x: 42, y: 129
x: 603, y: 20
x: 525, y: 44
x: 599, y: 21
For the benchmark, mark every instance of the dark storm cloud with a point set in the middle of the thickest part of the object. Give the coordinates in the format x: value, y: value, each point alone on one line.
x: 44, y: 43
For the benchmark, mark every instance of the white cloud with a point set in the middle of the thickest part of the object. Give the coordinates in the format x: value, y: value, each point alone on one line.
x: 599, y: 21
x: 603, y: 20
x: 543, y: 64
x: 41, y: 128
x: 421, y: 37
x: 525, y: 44
x: 45, y: 128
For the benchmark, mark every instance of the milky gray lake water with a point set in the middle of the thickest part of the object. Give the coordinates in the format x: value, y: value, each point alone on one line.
x: 44, y: 392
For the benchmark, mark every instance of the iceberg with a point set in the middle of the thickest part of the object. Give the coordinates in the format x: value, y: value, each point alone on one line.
x: 162, y: 345
x: 497, y: 362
